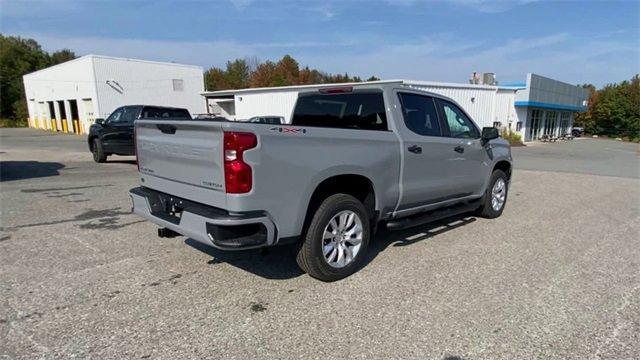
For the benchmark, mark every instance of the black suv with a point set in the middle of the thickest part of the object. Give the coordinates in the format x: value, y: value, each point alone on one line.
x: 115, y: 134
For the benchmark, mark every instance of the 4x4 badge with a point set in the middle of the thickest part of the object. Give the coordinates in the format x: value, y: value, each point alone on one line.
x: 288, y: 130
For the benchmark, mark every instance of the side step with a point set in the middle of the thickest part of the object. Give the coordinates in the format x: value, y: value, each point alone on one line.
x: 431, y: 216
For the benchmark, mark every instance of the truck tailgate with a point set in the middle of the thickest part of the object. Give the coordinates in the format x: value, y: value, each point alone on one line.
x: 182, y: 158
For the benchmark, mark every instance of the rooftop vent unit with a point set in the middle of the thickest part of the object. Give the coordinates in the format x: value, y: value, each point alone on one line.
x: 489, y: 79
x: 475, y: 78
x: 483, y: 79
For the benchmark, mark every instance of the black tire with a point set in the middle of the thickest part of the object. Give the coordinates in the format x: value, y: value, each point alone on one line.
x: 310, y: 257
x: 99, y: 155
x: 486, y: 210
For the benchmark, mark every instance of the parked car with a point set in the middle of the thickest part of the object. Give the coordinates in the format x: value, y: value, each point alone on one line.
x: 577, y: 131
x: 352, y: 160
x: 273, y: 120
x: 115, y: 134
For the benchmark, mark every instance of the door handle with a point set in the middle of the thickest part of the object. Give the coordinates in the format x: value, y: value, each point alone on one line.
x: 458, y: 149
x: 415, y: 149
x: 167, y: 129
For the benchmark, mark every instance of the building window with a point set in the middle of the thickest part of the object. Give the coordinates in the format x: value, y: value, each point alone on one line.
x: 519, y: 126
x: 178, y: 85
x: 497, y: 124
x: 564, y: 122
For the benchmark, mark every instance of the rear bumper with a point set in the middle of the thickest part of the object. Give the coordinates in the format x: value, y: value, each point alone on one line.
x: 203, y: 223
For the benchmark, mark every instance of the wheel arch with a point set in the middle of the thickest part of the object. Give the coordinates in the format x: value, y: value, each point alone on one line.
x: 358, y: 186
x: 90, y: 140
x: 505, y: 166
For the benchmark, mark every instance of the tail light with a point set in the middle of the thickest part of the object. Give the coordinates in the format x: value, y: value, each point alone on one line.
x: 135, y: 145
x: 237, y: 173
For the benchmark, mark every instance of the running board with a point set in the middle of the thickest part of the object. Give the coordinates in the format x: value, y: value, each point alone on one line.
x: 431, y: 216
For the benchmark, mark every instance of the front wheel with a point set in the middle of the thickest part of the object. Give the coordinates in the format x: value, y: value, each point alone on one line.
x: 99, y: 155
x: 336, y: 240
x: 495, y: 197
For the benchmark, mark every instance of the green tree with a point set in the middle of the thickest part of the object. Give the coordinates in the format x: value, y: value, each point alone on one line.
x: 61, y: 56
x: 287, y: 71
x: 613, y: 110
x: 215, y: 79
x: 237, y: 74
x: 18, y: 57
x: 586, y: 118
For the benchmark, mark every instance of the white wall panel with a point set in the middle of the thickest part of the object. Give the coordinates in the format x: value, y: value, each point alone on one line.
x: 72, y: 80
x: 136, y: 82
x: 278, y: 103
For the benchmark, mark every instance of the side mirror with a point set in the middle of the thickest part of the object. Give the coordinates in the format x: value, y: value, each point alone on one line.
x: 489, y: 133
x: 100, y: 121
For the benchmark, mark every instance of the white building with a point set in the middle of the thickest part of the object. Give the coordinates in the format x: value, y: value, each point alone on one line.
x: 538, y: 106
x: 70, y: 96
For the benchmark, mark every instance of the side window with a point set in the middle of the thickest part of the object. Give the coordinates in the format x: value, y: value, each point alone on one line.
x: 129, y: 115
x: 459, y: 124
x: 115, y: 117
x: 420, y: 114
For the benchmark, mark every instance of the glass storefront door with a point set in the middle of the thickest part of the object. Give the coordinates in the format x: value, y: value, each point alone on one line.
x: 565, y: 117
x: 536, y: 123
x: 550, y: 122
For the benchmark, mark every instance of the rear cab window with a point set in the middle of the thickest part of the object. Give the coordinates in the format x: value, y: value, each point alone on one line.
x: 420, y: 114
x: 363, y: 110
x: 151, y: 112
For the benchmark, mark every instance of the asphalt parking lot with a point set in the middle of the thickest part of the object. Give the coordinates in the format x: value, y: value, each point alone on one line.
x: 557, y: 276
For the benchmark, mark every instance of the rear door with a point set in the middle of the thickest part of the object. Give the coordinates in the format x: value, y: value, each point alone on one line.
x: 182, y: 158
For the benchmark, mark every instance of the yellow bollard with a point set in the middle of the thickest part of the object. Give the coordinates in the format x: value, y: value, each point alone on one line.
x: 76, y: 127
x: 65, y: 126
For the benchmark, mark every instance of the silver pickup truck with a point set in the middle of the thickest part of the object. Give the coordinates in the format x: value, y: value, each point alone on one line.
x: 353, y: 158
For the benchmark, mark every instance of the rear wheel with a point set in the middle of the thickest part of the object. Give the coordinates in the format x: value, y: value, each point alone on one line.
x: 335, y: 244
x: 495, y: 197
x: 99, y: 155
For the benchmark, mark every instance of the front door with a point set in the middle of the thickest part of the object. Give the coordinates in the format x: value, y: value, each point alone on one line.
x: 124, y: 130
x: 109, y: 131
x: 469, y: 170
x: 118, y: 130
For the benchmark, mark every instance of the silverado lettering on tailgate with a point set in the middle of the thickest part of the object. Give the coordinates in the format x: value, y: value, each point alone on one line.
x: 179, y: 150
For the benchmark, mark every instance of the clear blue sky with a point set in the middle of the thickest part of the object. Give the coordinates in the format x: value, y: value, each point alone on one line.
x: 577, y: 42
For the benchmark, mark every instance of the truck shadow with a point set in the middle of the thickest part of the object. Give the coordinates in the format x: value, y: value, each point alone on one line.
x: 278, y: 263
x: 21, y: 170
x: 385, y: 238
